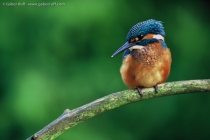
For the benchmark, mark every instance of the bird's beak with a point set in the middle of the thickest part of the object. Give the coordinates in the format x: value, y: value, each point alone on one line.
x: 123, y: 47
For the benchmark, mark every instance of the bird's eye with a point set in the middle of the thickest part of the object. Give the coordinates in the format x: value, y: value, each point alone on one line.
x: 141, y: 37
x: 136, y: 38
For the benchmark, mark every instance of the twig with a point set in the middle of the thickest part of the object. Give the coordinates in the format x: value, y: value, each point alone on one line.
x: 71, y: 118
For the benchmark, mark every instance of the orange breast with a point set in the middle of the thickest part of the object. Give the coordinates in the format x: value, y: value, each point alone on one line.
x: 148, y: 66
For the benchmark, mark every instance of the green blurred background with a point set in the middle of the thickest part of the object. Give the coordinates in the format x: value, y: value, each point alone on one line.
x: 58, y: 57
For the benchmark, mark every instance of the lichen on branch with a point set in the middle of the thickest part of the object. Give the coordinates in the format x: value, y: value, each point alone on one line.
x: 70, y: 118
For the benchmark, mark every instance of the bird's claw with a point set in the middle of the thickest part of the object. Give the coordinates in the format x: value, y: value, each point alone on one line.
x: 156, y: 88
x: 139, y: 89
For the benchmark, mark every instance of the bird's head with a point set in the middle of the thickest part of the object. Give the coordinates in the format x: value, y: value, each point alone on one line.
x: 141, y: 33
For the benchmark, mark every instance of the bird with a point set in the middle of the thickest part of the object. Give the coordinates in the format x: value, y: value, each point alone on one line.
x: 146, y: 59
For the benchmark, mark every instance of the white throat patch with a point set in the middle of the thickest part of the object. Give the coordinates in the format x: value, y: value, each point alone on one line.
x: 136, y: 47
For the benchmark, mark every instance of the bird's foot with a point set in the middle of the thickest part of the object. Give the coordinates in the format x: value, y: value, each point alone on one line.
x: 156, y: 88
x: 139, y: 89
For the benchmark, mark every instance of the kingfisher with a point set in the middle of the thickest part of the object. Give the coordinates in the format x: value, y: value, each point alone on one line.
x: 146, y: 58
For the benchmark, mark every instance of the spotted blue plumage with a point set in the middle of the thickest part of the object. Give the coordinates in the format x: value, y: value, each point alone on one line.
x: 147, y: 41
x: 163, y: 44
x: 146, y: 27
x: 127, y: 52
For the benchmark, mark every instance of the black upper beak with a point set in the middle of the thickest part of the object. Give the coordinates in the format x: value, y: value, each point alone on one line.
x: 123, y: 47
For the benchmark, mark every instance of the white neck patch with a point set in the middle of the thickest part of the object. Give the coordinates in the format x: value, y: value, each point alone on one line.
x: 158, y: 37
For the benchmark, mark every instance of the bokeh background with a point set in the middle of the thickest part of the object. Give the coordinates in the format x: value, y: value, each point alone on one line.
x: 58, y: 57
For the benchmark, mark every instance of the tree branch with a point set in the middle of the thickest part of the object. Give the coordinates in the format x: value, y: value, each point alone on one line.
x: 71, y: 118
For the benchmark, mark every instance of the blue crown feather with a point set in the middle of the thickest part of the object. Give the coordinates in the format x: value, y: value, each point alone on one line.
x: 146, y: 27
